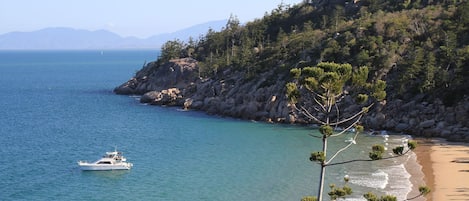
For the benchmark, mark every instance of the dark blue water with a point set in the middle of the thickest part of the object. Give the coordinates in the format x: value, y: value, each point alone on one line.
x: 57, y: 107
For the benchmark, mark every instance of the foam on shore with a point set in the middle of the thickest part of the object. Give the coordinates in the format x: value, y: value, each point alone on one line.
x: 400, y: 176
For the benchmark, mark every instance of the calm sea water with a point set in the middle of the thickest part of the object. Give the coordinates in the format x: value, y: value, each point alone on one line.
x: 57, y: 107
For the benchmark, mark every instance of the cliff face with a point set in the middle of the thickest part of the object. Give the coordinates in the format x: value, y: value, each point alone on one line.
x: 177, y: 84
x: 262, y: 98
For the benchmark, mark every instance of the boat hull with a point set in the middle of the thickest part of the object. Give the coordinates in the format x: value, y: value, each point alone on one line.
x: 104, y: 167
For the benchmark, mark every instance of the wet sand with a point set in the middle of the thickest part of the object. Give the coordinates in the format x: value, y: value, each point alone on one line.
x: 446, y: 168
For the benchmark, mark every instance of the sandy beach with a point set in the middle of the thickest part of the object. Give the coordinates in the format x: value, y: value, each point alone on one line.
x: 446, y: 168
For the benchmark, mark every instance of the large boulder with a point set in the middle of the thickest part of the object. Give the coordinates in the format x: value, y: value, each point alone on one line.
x: 169, y: 97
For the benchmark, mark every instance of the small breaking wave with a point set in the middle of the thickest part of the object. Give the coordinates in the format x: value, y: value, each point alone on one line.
x: 385, y: 176
x: 378, y: 179
x: 400, y: 185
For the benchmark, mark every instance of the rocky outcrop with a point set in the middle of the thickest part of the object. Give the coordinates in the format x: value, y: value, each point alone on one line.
x: 235, y: 94
x: 178, y: 73
x: 427, y: 119
x: 169, y: 97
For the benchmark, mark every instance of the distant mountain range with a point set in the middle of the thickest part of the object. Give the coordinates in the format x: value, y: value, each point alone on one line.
x: 69, y: 38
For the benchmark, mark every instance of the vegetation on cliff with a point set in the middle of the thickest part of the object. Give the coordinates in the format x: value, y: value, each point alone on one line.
x: 419, y: 47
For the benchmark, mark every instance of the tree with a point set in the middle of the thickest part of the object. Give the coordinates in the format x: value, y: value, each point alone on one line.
x: 232, y: 29
x: 172, y: 49
x: 319, y: 93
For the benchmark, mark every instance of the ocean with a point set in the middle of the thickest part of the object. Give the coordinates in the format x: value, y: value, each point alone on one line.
x: 57, y: 107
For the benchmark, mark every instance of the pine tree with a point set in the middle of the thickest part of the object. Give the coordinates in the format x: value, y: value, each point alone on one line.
x: 319, y: 93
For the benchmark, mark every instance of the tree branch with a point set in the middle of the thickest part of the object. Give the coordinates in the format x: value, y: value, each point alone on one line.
x: 352, y: 117
x: 344, y: 148
x: 338, y: 114
x: 421, y: 194
x: 317, y: 102
x: 348, y: 128
x: 309, y: 115
x: 367, y: 160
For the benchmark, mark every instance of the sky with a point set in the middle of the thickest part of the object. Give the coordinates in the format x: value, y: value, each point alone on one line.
x: 139, y: 18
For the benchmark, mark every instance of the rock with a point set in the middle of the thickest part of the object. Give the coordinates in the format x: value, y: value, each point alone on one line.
x: 372, y: 123
x: 261, y: 115
x: 413, y: 122
x: 430, y: 133
x: 197, y: 105
x: 408, y: 105
x: 401, y: 127
x: 165, y: 97
x: 124, y: 90
x: 390, y: 124
x: 455, y: 138
x: 445, y: 133
x: 150, y: 97
x: 291, y: 118
x: 427, y: 124
x: 440, y: 125
x: 127, y: 88
x: 377, y: 121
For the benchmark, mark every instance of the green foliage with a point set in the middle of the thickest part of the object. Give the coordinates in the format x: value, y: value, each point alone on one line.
x: 372, y: 197
x: 295, y: 73
x: 331, y: 83
x: 171, y: 50
x: 359, y: 128
x: 328, y: 66
x: 412, y: 144
x: 314, y: 72
x: 377, y: 152
x: 336, y: 192
x: 326, y: 130
x: 344, y: 71
x: 309, y: 198
x: 424, y: 190
x: 375, y: 155
x: 317, y: 156
x: 361, y: 98
x: 292, y: 92
x: 330, y: 78
x: 398, y: 150
x: 311, y: 83
x: 365, y: 109
x: 378, y: 147
x: 379, y: 92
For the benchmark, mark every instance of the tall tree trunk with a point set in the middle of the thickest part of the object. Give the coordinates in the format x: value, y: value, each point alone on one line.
x: 323, y: 169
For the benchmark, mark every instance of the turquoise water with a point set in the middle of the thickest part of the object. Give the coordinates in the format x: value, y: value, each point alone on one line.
x: 57, y: 107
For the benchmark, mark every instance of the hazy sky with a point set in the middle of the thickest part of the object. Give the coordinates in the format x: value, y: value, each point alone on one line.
x: 141, y: 18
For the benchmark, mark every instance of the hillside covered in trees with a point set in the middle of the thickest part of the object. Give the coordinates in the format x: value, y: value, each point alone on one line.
x: 419, y: 47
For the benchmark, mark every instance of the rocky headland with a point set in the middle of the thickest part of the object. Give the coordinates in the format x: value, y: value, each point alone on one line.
x: 262, y: 98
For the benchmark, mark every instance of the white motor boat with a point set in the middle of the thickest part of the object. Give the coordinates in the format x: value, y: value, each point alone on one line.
x: 111, y: 161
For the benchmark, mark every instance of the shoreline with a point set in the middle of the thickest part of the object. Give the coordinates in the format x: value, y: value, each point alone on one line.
x: 445, y: 166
